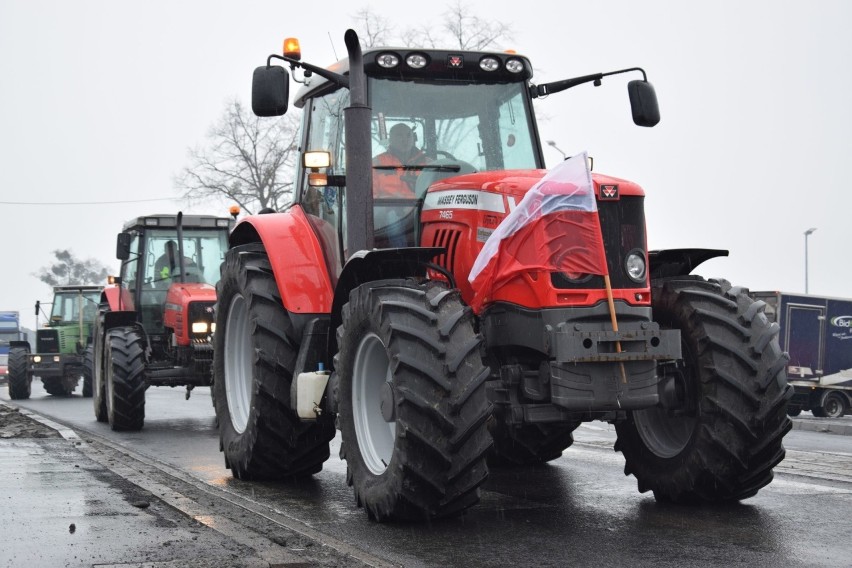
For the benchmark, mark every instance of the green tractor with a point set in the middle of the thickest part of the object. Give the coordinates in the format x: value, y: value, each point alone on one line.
x: 61, y: 344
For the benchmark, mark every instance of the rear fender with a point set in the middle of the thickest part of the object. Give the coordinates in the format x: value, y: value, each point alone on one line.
x: 296, y: 257
x: 118, y: 298
x: 678, y: 262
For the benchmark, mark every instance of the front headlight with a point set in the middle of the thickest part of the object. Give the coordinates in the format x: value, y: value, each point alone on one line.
x: 200, y: 327
x: 634, y: 264
x: 36, y: 358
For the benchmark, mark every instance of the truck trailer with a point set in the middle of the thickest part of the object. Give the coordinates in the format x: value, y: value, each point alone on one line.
x: 816, y: 331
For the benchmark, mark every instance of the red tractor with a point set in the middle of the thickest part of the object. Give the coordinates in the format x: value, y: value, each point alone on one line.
x: 355, y: 308
x: 155, y: 322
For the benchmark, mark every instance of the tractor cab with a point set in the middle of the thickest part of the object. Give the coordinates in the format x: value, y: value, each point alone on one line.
x: 434, y: 115
x: 160, y: 261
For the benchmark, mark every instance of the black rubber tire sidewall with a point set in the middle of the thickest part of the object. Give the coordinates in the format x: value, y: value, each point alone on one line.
x: 441, y: 440
x: 275, y: 443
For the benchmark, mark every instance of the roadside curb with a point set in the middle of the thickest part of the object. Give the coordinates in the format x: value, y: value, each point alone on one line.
x: 826, y: 426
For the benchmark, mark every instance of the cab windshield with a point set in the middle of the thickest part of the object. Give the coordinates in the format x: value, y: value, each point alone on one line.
x: 425, y: 132
x: 479, y: 126
x: 69, y: 305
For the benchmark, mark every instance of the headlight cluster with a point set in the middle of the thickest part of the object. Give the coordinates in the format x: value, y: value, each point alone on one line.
x: 634, y: 265
x: 201, y: 327
x: 417, y: 60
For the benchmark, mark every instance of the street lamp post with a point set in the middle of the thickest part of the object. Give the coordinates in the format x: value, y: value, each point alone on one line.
x: 807, y: 234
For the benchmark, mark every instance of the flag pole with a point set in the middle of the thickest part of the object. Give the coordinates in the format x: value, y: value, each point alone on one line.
x: 614, y: 324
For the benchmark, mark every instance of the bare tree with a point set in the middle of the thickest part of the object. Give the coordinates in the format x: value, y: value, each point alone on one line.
x: 471, y: 32
x: 459, y: 29
x: 373, y: 29
x: 69, y: 269
x: 247, y: 160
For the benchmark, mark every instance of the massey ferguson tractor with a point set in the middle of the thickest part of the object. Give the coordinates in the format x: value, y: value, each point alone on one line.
x: 156, y: 319
x: 358, y: 307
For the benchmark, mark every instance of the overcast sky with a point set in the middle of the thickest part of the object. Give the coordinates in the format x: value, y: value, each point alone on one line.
x: 99, y: 101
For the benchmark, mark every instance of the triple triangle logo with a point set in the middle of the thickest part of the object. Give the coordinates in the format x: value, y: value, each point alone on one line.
x: 609, y: 192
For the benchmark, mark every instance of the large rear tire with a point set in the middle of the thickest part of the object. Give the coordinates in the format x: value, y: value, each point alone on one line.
x: 723, y: 443
x: 88, y: 367
x: 125, y: 378
x: 254, y: 356
x: 412, y: 401
x: 20, y: 379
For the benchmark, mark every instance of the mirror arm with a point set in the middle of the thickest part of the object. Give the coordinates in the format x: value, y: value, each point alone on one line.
x: 335, y: 78
x: 557, y: 86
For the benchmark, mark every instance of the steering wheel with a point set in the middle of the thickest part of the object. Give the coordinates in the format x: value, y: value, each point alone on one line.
x: 446, y: 155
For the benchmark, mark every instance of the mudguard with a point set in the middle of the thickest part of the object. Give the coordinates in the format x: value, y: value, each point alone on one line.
x: 296, y: 256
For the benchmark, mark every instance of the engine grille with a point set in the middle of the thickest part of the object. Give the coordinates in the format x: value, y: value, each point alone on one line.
x: 623, y: 228
x: 449, y: 240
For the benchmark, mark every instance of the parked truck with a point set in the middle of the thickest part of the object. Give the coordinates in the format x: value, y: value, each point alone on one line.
x: 13, y: 354
x: 358, y: 306
x: 816, y: 331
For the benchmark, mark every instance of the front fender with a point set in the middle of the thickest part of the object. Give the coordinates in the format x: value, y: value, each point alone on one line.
x: 297, y: 258
x: 378, y: 264
x: 678, y: 262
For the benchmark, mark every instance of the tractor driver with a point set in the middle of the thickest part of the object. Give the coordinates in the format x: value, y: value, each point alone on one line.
x: 168, y: 263
x: 402, y: 151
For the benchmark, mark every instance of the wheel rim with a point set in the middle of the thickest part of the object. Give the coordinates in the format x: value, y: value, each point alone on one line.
x: 370, y: 373
x: 239, y: 360
x: 832, y: 407
x: 108, y: 379
x: 665, y: 435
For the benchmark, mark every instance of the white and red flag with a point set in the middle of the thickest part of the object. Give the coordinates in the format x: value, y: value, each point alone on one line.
x: 555, y: 228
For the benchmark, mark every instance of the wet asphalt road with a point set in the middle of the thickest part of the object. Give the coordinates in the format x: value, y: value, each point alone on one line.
x: 579, y: 510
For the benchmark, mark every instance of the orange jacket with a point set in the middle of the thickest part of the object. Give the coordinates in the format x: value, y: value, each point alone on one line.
x: 397, y: 182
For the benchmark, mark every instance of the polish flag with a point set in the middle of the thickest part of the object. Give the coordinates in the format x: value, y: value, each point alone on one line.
x: 555, y: 228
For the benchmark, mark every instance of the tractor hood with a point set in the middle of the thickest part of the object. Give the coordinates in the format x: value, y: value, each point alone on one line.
x: 181, y: 293
x: 467, y: 190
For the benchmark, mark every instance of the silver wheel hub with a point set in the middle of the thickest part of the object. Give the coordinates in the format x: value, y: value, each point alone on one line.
x: 372, y: 404
x: 239, y: 363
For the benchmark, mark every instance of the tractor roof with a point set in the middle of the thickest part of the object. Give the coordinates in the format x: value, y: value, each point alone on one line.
x: 188, y: 222
x: 441, y: 65
x: 73, y: 288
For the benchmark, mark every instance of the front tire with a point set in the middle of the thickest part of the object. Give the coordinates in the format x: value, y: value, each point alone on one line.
x: 98, y: 369
x: 20, y: 379
x: 253, y: 360
x: 57, y: 386
x: 125, y: 378
x: 88, y: 368
x: 529, y: 444
x: 723, y: 443
x: 412, y: 401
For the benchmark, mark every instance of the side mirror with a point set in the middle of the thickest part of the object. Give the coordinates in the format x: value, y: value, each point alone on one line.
x: 270, y: 88
x: 643, y: 103
x: 122, y: 246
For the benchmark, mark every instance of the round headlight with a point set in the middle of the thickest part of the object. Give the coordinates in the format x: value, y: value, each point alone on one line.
x: 489, y: 64
x: 387, y: 60
x: 635, y: 266
x: 514, y: 66
x: 416, y: 61
x: 36, y: 358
